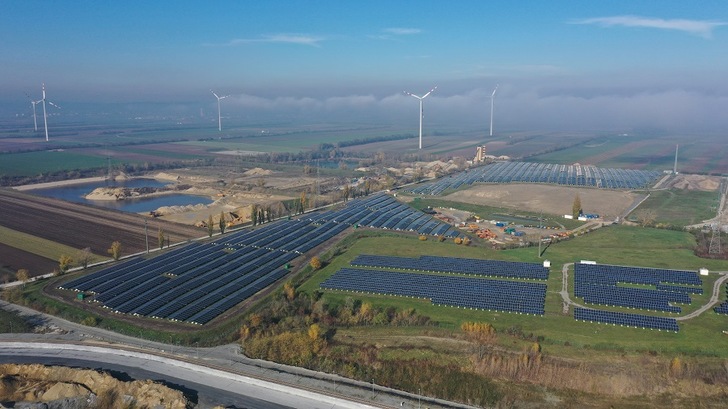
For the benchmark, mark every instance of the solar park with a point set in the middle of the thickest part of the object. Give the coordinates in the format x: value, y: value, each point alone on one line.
x: 514, y: 296
x: 200, y: 281
x: 526, y: 172
x: 605, y: 285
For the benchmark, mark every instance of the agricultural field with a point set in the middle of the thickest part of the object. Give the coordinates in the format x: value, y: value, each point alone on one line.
x: 33, y: 163
x: 78, y: 226
x: 697, y: 154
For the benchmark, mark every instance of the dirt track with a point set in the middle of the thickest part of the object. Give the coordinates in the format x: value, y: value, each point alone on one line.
x: 82, y: 226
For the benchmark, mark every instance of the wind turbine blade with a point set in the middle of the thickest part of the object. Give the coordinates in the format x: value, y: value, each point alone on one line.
x: 494, y: 90
x: 54, y: 104
x: 224, y: 97
x: 213, y: 93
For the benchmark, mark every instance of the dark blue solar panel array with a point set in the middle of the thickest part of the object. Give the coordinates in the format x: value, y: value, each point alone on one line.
x: 722, y: 308
x: 384, y: 212
x: 627, y: 320
x: 198, y: 282
x: 493, y: 268
x: 598, y: 284
x: 526, y: 172
x: 464, y: 292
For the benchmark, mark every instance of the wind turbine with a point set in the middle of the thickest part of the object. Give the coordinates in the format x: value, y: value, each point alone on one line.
x: 421, y: 114
x: 492, y: 98
x: 45, y: 117
x: 219, y: 118
x: 35, y: 121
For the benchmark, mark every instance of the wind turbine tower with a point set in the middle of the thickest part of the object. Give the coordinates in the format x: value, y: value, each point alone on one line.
x: 421, y: 113
x: 219, y: 117
x: 674, y: 168
x: 35, y: 120
x: 492, y: 98
x: 45, y: 116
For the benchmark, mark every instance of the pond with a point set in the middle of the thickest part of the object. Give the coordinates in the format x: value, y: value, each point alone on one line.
x: 76, y: 193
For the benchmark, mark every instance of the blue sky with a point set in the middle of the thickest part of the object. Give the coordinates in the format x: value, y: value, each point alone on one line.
x: 558, y: 63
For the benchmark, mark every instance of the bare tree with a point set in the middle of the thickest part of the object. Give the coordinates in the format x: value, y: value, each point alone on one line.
x: 84, y: 257
x: 646, y: 217
x: 160, y: 237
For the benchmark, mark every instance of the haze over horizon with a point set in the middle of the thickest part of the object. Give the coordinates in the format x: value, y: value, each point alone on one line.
x: 564, y: 65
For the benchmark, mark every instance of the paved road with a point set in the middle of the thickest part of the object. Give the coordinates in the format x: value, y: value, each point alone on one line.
x: 227, y: 358
x: 238, y: 389
x: 201, y: 395
x: 713, y: 299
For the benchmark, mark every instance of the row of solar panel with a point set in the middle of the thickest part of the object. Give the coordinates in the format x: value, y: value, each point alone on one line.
x: 611, y: 274
x: 598, y: 284
x: 385, y: 212
x: 494, y: 268
x: 722, y: 308
x: 577, y: 175
x: 464, y: 292
x: 183, y: 283
x: 627, y: 320
x: 196, y: 282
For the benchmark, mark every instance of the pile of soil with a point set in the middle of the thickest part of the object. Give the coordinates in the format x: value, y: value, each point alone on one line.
x: 69, y: 387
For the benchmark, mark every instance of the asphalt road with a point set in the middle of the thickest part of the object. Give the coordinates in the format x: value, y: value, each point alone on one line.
x: 201, y: 395
x: 226, y: 358
x: 208, y: 386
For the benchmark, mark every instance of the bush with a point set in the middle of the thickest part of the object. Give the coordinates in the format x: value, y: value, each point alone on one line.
x: 423, y: 237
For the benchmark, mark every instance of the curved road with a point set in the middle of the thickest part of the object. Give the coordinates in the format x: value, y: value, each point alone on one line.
x: 237, y: 388
x: 713, y: 299
x: 227, y: 358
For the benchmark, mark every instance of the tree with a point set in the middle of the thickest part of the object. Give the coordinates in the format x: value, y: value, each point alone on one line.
x: 115, y: 250
x: 646, y: 217
x: 254, y: 214
x: 303, y: 201
x: 210, y: 226
x: 64, y: 262
x: 576, y: 206
x: 221, y: 223
x: 160, y: 237
x: 346, y: 192
x: 289, y: 290
x: 314, y: 332
x: 84, y: 257
x: 315, y: 263
x: 22, y: 275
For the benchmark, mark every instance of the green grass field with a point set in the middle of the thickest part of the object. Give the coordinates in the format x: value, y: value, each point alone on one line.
x: 33, y: 163
x: 564, y: 336
x: 681, y: 207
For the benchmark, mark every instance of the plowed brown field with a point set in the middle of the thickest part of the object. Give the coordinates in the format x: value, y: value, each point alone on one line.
x: 81, y: 226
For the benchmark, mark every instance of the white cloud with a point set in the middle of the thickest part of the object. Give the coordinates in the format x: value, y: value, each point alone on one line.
x: 301, y: 39
x: 701, y: 28
x: 402, y: 31
x: 395, y: 32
